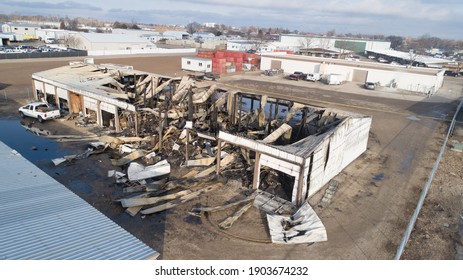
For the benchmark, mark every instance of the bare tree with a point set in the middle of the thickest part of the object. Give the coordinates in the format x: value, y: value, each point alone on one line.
x: 413, y: 57
x: 193, y: 27
x: 331, y: 33
x: 72, y: 42
x: 306, y: 42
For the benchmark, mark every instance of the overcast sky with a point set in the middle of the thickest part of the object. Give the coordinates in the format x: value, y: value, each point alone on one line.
x: 440, y: 18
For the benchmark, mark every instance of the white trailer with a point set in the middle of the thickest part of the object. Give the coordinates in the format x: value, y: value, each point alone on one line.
x: 334, y: 79
x: 197, y: 64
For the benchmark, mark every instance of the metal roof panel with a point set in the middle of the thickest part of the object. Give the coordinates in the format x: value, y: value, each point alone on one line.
x: 42, y: 219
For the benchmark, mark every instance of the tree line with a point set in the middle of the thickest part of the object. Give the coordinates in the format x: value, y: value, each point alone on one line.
x: 402, y: 43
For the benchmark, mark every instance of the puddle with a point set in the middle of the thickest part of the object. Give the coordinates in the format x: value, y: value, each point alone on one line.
x: 30, y: 146
x: 79, y: 187
x: 413, y: 118
x: 405, y: 164
x: 194, y: 220
x: 378, y: 177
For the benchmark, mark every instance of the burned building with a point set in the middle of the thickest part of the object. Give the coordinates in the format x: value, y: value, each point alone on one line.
x: 280, y: 146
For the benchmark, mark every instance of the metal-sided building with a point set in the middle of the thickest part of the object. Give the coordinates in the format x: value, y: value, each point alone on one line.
x: 332, y: 141
x: 104, y: 41
x: 242, y: 45
x: 27, y: 31
x: 416, y: 79
x: 55, y: 34
x: 50, y: 222
x: 353, y: 44
x: 92, y: 90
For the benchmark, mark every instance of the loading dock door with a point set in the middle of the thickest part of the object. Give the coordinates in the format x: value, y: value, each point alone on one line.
x: 360, y: 76
x: 275, y: 64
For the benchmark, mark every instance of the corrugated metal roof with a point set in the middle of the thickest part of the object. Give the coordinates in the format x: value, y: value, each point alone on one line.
x: 356, y: 64
x: 42, y: 219
x: 113, y: 38
x: 85, y: 79
x: 406, y: 55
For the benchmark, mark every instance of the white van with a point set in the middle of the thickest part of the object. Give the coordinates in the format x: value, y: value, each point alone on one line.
x: 49, y: 40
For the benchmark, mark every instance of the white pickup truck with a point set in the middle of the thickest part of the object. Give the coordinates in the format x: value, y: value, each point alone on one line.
x: 40, y: 111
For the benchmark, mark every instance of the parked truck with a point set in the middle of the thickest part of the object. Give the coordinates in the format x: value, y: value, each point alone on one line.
x: 40, y: 111
x: 298, y: 75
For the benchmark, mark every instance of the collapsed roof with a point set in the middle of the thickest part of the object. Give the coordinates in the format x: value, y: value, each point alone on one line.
x: 290, y: 137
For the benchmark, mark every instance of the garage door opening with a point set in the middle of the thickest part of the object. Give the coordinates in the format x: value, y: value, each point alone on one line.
x: 108, y: 119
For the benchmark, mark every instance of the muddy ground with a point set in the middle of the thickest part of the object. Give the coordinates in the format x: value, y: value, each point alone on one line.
x: 367, y: 216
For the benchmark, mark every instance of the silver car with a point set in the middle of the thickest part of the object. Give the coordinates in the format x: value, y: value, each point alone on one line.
x: 370, y: 85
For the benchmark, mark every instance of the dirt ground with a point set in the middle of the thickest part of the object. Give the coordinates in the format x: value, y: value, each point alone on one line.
x: 368, y: 215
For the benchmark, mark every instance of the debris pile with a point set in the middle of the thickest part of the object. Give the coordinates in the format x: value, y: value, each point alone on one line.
x: 168, y: 150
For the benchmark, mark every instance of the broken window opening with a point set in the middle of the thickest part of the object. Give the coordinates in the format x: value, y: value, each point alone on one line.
x: 108, y: 119
x: 40, y: 94
x: 51, y: 99
x: 63, y: 105
x: 277, y: 183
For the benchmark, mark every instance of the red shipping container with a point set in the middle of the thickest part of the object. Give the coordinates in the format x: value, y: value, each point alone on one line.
x: 219, y: 54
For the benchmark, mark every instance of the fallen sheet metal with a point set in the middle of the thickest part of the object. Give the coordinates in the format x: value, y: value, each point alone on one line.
x: 115, y: 173
x: 138, y: 172
x: 272, y: 204
x: 303, y: 227
x: 57, y: 161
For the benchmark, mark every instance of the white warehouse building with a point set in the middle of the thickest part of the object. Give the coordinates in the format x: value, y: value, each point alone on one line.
x: 27, y: 31
x: 105, y: 41
x: 422, y: 80
x: 55, y: 34
x: 296, y: 42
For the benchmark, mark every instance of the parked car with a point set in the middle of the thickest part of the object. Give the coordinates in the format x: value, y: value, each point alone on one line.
x: 382, y: 60
x: 451, y: 73
x: 370, y: 85
x: 40, y: 111
x: 273, y: 72
x: 297, y: 76
x: 211, y: 77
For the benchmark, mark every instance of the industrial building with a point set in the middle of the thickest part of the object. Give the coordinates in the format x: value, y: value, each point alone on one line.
x: 105, y: 41
x: 43, y: 220
x: 54, y: 34
x: 315, y: 145
x: 409, y: 58
x: 415, y: 79
x: 296, y: 42
x: 246, y: 45
x: 151, y: 36
x: 96, y: 91
x: 26, y: 31
x: 6, y: 38
x: 309, y: 144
